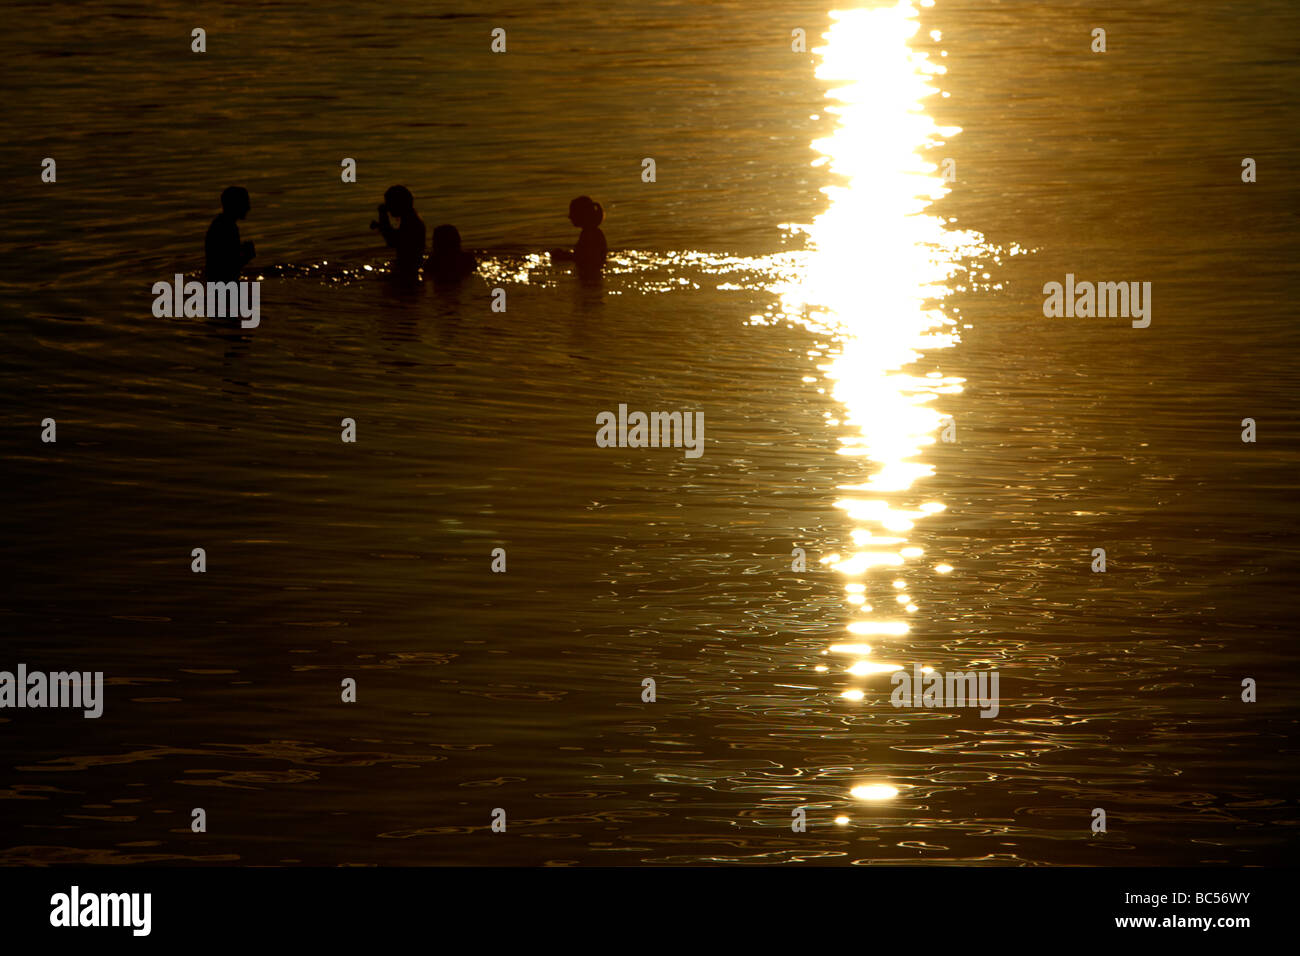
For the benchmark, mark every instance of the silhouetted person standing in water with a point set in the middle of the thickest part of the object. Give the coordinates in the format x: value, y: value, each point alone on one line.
x: 447, y: 262
x: 408, y: 237
x: 589, y: 254
x: 226, y: 255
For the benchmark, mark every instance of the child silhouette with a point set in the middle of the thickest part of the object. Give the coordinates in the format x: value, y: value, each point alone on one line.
x: 589, y: 254
x: 224, y: 253
x: 447, y: 262
x: 408, y: 237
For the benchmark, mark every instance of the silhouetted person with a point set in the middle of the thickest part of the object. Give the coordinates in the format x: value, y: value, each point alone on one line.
x: 226, y: 255
x: 447, y: 262
x: 589, y: 254
x: 408, y: 237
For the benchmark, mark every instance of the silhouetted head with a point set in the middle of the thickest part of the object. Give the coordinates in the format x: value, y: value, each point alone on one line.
x: 446, y: 241
x: 586, y: 213
x: 399, y: 200
x: 235, y: 201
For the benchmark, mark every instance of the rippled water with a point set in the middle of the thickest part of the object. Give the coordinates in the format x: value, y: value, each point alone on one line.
x: 801, y: 274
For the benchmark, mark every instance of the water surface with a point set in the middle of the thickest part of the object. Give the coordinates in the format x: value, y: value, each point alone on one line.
x: 801, y: 274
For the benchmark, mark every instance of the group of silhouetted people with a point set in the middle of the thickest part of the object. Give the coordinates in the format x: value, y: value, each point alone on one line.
x: 447, y: 262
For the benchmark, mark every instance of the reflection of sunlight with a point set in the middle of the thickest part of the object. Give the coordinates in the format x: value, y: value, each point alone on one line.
x: 870, y: 283
x: 850, y: 648
x: 874, y: 791
x: 877, y: 269
x: 870, y: 667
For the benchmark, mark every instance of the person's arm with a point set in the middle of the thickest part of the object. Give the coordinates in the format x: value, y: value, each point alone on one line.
x: 385, y: 227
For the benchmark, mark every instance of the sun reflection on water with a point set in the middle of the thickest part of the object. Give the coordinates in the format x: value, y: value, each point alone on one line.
x: 877, y: 270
